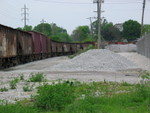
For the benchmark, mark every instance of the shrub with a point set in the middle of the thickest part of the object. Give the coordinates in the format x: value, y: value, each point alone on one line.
x: 3, y: 89
x: 54, y: 97
x: 38, y: 77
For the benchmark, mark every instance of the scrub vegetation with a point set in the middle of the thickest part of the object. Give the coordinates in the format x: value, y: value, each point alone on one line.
x: 96, y: 97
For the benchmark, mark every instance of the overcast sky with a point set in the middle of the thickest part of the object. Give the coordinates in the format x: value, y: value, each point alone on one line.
x: 70, y: 14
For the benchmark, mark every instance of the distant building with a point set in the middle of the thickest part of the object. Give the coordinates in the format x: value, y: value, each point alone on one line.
x: 119, y: 26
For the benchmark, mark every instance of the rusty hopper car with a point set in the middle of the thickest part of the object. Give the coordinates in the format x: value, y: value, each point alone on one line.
x: 43, y: 39
x: 39, y: 45
x: 15, y: 47
x: 8, y: 46
x: 24, y: 46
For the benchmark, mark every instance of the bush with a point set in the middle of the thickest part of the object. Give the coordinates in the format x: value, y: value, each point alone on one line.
x: 38, y: 77
x: 54, y: 97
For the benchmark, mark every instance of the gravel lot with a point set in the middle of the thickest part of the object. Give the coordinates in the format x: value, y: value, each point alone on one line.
x: 46, y: 66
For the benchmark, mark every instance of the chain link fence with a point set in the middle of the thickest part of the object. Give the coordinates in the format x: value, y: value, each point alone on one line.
x: 143, y: 45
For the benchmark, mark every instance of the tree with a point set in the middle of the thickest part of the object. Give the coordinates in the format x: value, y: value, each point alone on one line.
x: 59, y: 34
x: 81, y: 34
x: 44, y: 28
x: 131, y: 30
x: 25, y: 28
x: 108, y: 31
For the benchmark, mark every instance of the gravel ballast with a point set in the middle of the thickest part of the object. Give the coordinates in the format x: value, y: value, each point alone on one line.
x: 96, y: 60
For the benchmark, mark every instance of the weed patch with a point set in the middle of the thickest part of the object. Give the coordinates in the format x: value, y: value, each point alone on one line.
x: 27, y: 87
x: 4, y: 89
x: 38, y: 77
x: 13, y: 83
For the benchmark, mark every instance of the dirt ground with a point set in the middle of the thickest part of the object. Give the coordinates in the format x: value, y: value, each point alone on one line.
x: 131, y: 76
x: 43, y: 66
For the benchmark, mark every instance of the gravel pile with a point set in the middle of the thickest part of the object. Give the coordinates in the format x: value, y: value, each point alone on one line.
x: 96, y: 60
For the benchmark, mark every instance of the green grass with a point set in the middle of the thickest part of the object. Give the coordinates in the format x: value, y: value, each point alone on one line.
x: 16, y: 108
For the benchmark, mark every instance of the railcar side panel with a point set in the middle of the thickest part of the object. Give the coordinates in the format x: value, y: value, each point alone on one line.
x: 49, y: 46
x: 54, y: 46
x: 24, y: 43
x: 8, y: 46
x: 59, y: 47
x: 36, y: 42
x: 43, y: 40
x: 66, y: 47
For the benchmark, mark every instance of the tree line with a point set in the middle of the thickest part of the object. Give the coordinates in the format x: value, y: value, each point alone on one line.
x: 131, y: 31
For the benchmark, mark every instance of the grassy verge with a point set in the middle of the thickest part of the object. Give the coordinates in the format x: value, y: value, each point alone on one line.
x: 95, y: 97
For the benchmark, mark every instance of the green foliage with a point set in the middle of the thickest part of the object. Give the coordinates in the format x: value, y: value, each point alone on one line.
x: 27, y: 88
x: 131, y: 30
x: 16, y: 108
x: 37, y: 77
x: 26, y: 28
x: 81, y: 33
x: 108, y: 31
x: 44, y: 28
x: 53, y: 31
x: 54, y: 97
x: 4, y: 89
x: 95, y: 97
x: 13, y: 83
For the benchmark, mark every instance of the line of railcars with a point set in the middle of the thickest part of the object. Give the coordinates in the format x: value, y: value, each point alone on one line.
x: 18, y: 47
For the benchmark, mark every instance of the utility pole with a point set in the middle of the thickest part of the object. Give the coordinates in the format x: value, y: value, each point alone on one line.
x: 43, y: 21
x: 142, y: 22
x: 99, y: 2
x: 90, y: 18
x: 25, y: 14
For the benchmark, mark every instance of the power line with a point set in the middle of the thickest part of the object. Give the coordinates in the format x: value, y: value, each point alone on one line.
x: 25, y: 14
x: 85, y: 3
x: 62, y: 2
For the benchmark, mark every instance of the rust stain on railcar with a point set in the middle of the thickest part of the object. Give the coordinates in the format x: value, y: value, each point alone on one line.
x: 7, y: 42
x: 24, y: 43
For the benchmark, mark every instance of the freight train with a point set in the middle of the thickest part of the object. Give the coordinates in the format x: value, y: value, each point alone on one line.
x: 19, y: 47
